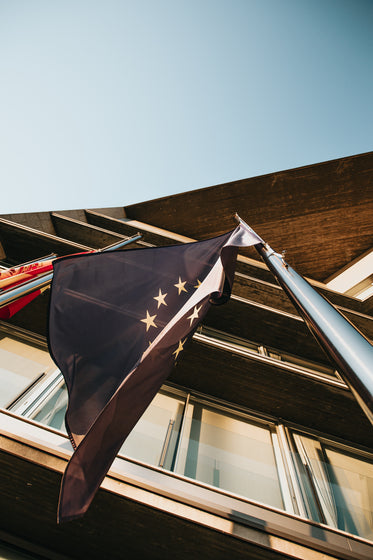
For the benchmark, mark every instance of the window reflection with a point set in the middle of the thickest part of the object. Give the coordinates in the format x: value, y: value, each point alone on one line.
x: 154, y: 438
x: 226, y: 451
x: 339, y: 486
x: 21, y: 365
x: 351, y: 481
x: 208, y: 442
x: 52, y: 411
x: 241, y: 343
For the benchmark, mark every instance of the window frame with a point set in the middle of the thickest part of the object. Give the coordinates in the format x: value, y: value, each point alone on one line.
x: 292, y: 488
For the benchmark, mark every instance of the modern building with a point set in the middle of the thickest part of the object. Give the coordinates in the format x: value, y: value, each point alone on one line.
x: 255, y: 447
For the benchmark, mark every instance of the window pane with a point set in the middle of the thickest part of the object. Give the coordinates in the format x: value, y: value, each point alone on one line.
x: 157, y: 430
x: 52, y: 411
x: 231, y: 453
x: 340, y: 485
x: 155, y: 435
x: 352, y: 486
x: 21, y: 364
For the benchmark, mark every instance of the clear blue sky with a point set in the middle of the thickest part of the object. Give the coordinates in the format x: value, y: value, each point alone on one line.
x: 111, y: 102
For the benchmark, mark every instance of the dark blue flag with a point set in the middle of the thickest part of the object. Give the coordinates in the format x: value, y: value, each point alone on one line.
x: 118, y: 321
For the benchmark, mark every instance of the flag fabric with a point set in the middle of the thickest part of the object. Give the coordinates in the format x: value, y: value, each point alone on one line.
x: 118, y: 321
x: 18, y: 275
x: 12, y: 277
x: 21, y: 275
x: 12, y: 308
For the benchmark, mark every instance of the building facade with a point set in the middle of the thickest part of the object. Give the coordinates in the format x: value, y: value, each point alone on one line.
x: 255, y: 447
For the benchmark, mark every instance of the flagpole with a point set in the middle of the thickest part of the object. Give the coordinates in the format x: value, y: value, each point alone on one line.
x: 44, y: 280
x: 120, y: 244
x: 33, y: 261
x: 342, y: 342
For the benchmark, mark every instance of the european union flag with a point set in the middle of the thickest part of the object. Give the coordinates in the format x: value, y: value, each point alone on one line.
x: 118, y: 321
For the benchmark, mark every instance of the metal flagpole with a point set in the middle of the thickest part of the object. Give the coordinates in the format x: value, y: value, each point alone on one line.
x: 43, y: 280
x: 33, y: 261
x: 120, y: 244
x: 344, y: 344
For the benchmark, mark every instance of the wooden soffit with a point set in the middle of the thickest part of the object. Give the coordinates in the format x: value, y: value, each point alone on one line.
x: 321, y: 214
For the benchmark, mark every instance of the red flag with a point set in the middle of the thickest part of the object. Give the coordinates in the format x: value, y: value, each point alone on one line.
x: 19, y: 275
x: 12, y: 308
x: 11, y: 277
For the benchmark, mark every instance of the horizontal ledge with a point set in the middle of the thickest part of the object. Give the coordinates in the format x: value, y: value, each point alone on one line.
x: 251, y: 354
x: 188, y: 499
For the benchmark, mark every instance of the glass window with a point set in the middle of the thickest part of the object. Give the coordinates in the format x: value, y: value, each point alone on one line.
x: 210, y: 443
x: 52, y: 410
x: 308, y: 364
x: 155, y: 436
x: 242, y: 344
x: 152, y: 440
x: 227, y: 337
x: 217, y: 447
x: 21, y: 364
x: 229, y: 452
x: 339, y: 485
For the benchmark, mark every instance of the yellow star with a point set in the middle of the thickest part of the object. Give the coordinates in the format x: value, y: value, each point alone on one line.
x: 160, y: 298
x: 180, y: 286
x: 194, y: 314
x: 198, y: 284
x: 179, y: 348
x: 149, y: 321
